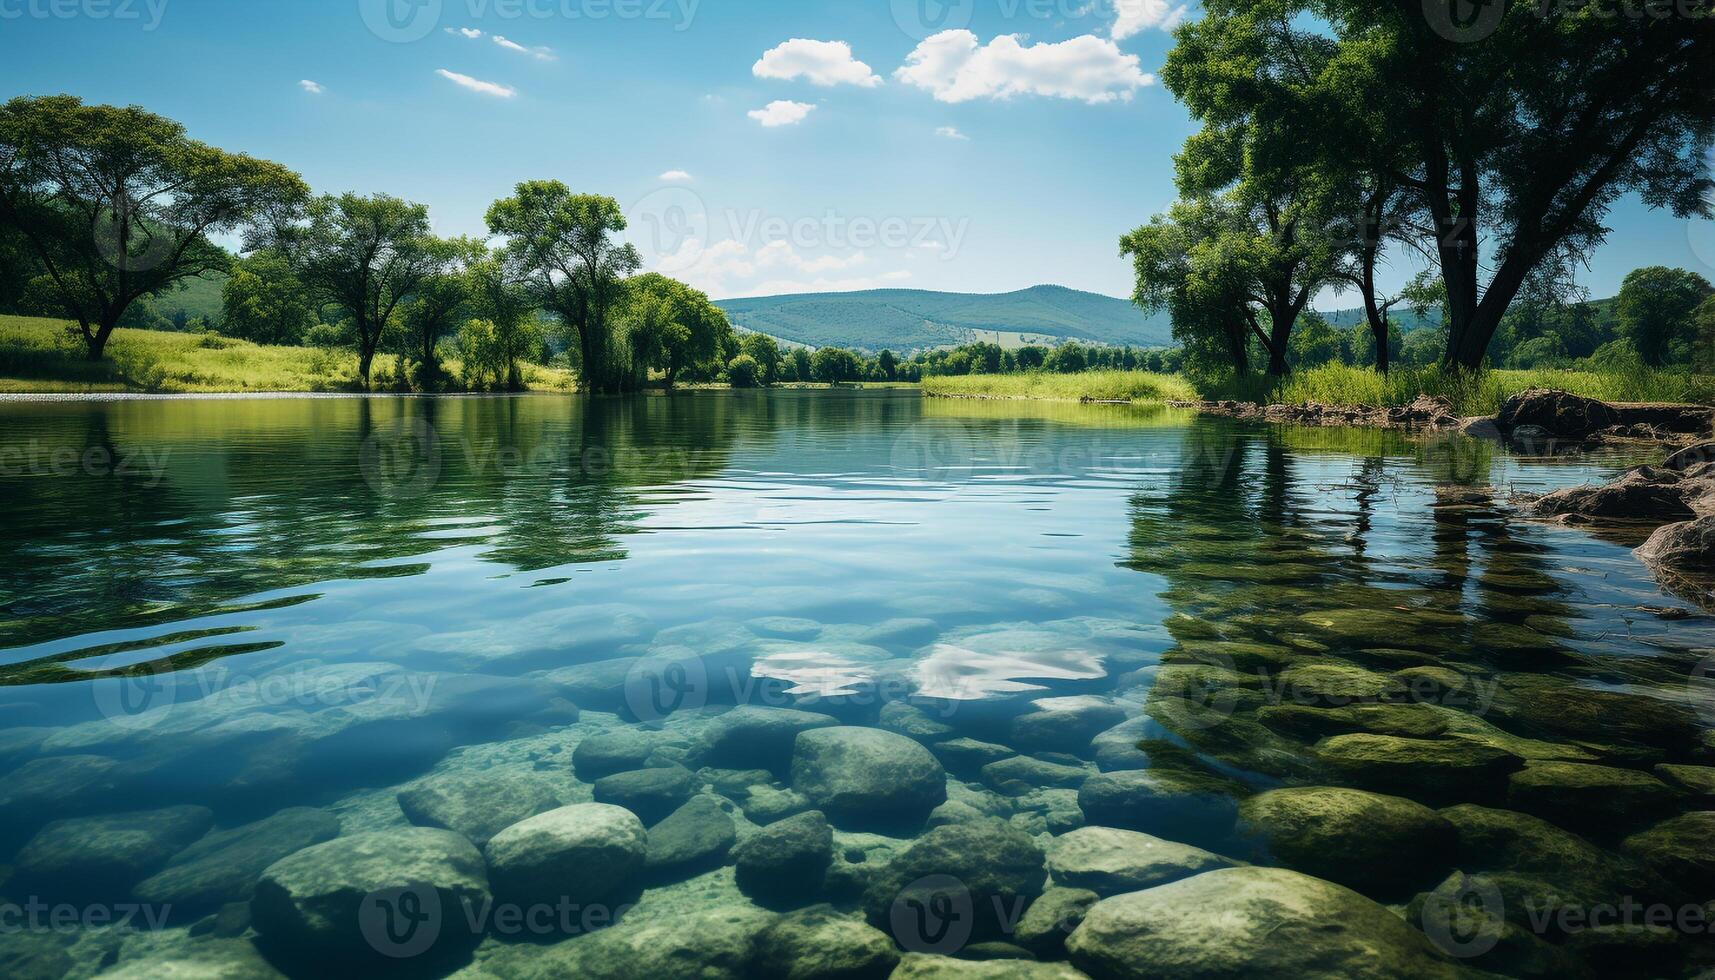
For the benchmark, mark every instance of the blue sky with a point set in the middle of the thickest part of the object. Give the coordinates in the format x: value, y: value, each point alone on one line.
x: 751, y: 160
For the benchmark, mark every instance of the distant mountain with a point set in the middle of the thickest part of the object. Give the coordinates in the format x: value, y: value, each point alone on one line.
x: 906, y: 320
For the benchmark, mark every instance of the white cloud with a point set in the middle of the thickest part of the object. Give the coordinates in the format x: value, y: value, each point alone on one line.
x: 469, y: 32
x: 675, y: 177
x: 1133, y: 17
x: 477, y: 84
x: 729, y: 268
x: 540, y: 54
x: 822, y: 63
x: 314, y: 88
x: 950, y: 132
x: 781, y: 113
x: 956, y: 67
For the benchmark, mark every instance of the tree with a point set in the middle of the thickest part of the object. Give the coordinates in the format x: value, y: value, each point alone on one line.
x: 507, y: 307
x: 671, y: 326
x: 437, y: 304
x: 1068, y: 359
x: 1703, y: 348
x: 765, y: 351
x: 801, y: 363
x: 1654, y: 310
x: 1526, y: 136
x: 264, y: 302
x: 563, y: 245
x: 1314, y: 342
x: 365, y: 256
x: 835, y: 364
x: 118, y: 204
x: 887, y: 364
x: 743, y: 372
x: 1030, y: 357
x: 1190, y: 262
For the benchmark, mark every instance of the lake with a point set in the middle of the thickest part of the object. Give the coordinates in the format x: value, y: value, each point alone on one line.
x: 361, y: 647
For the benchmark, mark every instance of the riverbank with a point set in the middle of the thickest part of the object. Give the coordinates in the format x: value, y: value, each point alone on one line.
x: 1358, y: 392
x: 41, y: 356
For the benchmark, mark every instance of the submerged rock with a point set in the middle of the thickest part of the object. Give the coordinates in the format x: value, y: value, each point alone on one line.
x: 101, y: 856
x: 1680, y: 850
x: 582, y: 854
x: 1352, y: 837
x: 998, y: 867
x: 967, y: 756
x: 757, y: 736
x: 865, y: 775
x: 1023, y: 773
x: 1424, y: 769
x: 821, y: 944
x: 1240, y: 922
x: 476, y: 804
x: 784, y: 863
x: 651, y: 794
x: 322, y: 901
x: 1064, y: 724
x: 692, y: 837
x: 912, y: 722
x: 1052, y: 917
x: 1109, y: 861
x: 1643, y: 494
x: 225, y: 865
x: 1600, y: 798
x: 611, y: 752
x: 1178, y: 805
x: 719, y: 943
x: 923, y: 966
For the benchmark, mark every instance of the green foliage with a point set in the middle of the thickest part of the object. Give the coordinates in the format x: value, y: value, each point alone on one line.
x: 835, y: 364
x: 1139, y: 386
x: 263, y: 301
x: 743, y: 372
x: 672, y: 328
x: 563, y: 246
x: 117, y: 204
x: 1654, y: 311
x: 765, y: 351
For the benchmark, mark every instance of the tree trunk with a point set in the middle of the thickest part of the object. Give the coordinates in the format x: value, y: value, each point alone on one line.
x: 97, y: 342
x: 1280, y: 331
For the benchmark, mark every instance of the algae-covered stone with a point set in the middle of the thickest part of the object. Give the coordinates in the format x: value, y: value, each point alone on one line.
x: 913, y: 722
x: 757, y: 736
x: 225, y: 865
x: 1109, y: 861
x: 966, y: 756
x: 1250, y: 922
x: 1023, y: 773
x: 1336, y: 684
x: 1577, y: 794
x: 1175, y: 804
x: 1118, y: 748
x: 319, y: 901
x: 603, y: 755
x: 1696, y: 781
x: 765, y: 804
x: 96, y: 855
x: 997, y: 866
x: 692, y: 837
x: 214, y: 959
x: 785, y: 862
x: 476, y: 804
x: 1356, y: 838
x: 1681, y: 850
x: 924, y: 966
x: 1462, y: 918
x: 1064, y: 724
x: 1051, y: 918
x: 582, y: 853
x: 1425, y: 769
x: 649, y: 793
x: 714, y: 944
x: 867, y: 775
x: 822, y: 944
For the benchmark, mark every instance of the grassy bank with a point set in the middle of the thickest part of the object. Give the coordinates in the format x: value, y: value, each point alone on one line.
x: 1479, y: 394
x: 38, y: 355
x: 1140, y: 386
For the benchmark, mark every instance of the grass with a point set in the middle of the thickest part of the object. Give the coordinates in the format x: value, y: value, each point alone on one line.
x: 1471, y: 394
x: 41, y: 355
x: 1136, y: 386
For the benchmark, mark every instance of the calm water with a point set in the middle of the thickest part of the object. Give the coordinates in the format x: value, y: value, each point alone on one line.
x: 249, y: 605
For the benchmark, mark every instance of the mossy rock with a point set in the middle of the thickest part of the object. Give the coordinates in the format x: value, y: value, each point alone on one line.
x: 1680, y: 850
x: 1603, y: 799
x: 1431, y: 770
x: 1377, y: 844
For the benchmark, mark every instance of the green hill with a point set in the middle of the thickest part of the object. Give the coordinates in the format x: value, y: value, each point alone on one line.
x: 906, y: 320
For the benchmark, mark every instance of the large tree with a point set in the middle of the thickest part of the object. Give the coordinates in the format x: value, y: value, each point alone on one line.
x: 564, y: 246
x: 1655, y: 311
x: 365, y: 256
x: 1512, y: 136
x: 119, y: 204
x: 671, y: 327
x: 264, y: 302
x: 440, y: 299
